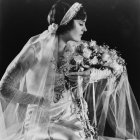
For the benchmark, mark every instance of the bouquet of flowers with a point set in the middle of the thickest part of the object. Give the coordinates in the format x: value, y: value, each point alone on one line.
x: 94, y: 63
x: 102, y: 61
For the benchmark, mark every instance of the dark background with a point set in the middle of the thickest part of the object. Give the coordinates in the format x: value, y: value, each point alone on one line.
x: 113, y: 22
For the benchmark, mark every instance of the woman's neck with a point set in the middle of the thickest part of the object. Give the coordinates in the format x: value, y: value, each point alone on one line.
x: 61, y: 43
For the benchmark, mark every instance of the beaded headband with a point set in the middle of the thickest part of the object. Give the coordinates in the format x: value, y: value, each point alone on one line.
x: 71, y: 13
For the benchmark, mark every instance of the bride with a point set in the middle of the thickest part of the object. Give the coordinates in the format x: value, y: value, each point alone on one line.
x: 36, y: 103
x: 40, y: 100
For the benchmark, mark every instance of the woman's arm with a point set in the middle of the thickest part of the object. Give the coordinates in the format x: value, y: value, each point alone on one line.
x: 11, y: 79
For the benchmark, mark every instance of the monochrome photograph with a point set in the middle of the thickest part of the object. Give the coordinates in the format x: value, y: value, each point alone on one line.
x: 69, y: 69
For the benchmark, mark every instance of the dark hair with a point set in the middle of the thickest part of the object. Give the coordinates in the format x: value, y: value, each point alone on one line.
x: 58, y: 11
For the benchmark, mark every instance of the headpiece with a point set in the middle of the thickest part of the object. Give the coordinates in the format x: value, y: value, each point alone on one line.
x: 71, y: 13
x: 67, y: 17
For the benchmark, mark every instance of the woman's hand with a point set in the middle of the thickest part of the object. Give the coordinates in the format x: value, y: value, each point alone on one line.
x: 82, y: 73
x: 91, y: 74
x: 97, y: 74
x: 94, y: 73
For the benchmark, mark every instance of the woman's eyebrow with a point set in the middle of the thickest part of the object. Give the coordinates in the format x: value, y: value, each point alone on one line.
x: 84, y: 20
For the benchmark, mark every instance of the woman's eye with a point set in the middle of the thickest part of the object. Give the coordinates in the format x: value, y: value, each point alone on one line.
x: 81, y: 24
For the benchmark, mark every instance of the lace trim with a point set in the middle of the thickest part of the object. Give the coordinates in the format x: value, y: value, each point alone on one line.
x: 59, y: 88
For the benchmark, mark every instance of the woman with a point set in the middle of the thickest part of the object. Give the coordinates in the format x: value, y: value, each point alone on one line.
x: 36, y: 102
x: 40, y: 100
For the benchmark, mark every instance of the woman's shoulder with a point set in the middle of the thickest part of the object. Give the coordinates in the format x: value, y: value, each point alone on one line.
x: 35, y: 41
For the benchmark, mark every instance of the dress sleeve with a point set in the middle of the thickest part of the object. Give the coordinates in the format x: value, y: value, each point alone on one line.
x: 9, y: 84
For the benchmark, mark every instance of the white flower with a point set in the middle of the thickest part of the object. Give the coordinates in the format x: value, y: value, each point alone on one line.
x: 85, y: 44
x: 70, y: 46
x: 93, y: 43
x: 106, y: 57
x: 69, y: 49
x: 117, y: 67
x: 86, y: 53
x: 81, y: 69
x: 78, y: 59
x: 94, y: 60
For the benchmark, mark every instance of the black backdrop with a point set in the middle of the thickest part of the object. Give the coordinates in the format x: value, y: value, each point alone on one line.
x: 113, y: 22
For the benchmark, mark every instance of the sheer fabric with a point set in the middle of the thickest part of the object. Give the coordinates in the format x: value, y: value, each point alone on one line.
x: 114, y: 103
x: 34, y: 74
x: 29, y: 77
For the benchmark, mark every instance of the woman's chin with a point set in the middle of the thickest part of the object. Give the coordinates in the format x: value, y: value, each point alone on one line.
x: 77, y: 39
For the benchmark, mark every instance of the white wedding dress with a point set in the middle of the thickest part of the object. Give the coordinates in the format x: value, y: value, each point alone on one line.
x: 35, y: 73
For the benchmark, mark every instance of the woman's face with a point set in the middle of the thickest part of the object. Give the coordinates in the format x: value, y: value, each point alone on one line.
x: 77, y: 31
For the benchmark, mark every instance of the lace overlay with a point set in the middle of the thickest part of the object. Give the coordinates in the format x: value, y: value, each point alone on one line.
x: 78, y: 107
x: 59, y: 87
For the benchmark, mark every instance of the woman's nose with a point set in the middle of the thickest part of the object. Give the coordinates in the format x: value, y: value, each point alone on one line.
x: 85, y: 28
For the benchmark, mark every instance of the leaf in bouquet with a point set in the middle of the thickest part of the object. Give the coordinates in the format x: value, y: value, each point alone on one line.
x: 79, y: 49
x: 74, y: 68
x: 99, y: 57
x: 85, y: 63
x: 72, y: 80
x: 97, y: 66
x: 86, y: 60
x: 72, y: 61
x: 93, y: 54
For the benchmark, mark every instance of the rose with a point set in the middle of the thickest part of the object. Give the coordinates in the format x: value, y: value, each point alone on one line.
x: 94, y: 46
x: 93, y: 43
x: 86, y: 53
x: 69, y: 49
x: 78, y: 59
x: 117, y: 67
x: 71, y: 45
x: 106, y: 57
x: 85, y: 44
x: 120, y: 60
